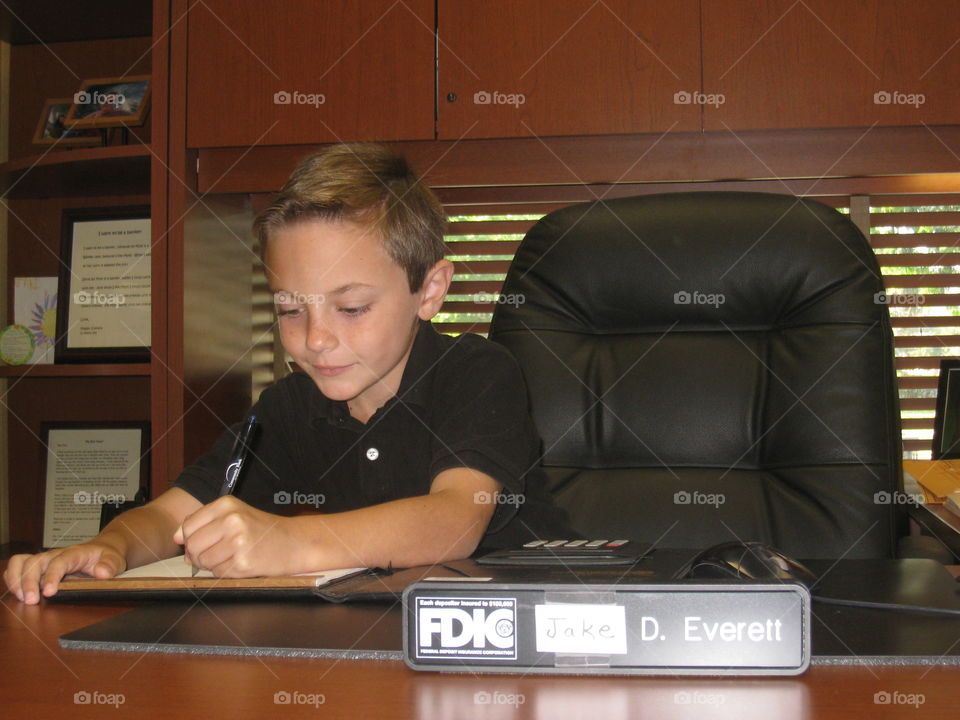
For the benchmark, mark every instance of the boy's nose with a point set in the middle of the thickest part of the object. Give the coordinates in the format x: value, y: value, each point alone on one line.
x: 319, y: 337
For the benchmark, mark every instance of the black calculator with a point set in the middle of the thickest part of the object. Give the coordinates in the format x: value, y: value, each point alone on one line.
x: 569, y: 552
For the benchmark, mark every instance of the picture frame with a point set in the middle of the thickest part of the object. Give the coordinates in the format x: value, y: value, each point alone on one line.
x: 52, y: 128
x: 104, y: 289
x: 111, y: 102
x: 946, y: 424
x: 86, y: 466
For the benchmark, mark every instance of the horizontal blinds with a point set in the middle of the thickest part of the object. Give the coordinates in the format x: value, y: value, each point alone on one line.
x: 917, y: 241
x: 481, y: 244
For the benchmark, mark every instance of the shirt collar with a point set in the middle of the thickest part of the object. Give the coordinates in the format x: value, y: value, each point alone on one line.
x: 414, y: 384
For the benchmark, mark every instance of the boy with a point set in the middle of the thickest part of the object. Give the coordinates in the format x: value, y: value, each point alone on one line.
x: 407, y: 441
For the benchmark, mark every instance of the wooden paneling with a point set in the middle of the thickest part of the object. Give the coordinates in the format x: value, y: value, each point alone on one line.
x: 678, y: 157
x: 372, y: 62
x: 33, y: 401
x: 820, y: 63
x: 581, y: 68
x: 39, y: 72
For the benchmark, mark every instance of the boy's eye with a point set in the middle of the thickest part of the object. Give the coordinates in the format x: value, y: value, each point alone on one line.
x: 293, y: 312
x: 354, y: 311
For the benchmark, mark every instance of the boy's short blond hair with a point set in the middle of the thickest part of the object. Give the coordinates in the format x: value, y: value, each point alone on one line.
x: 367, y: 184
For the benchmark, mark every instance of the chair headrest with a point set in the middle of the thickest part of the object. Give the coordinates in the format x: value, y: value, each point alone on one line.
x: 639, y: 264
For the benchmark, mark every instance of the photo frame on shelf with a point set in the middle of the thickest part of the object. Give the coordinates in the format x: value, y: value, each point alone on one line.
x: 946, y: 424
x: 86, y: 466
x: 104, y: 296
x: 111, y: 102
x: 53, y: 129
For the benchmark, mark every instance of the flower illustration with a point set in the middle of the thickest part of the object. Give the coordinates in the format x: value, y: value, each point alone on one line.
x: 43, y: 319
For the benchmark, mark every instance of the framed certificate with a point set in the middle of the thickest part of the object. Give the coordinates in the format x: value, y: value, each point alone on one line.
x: 104, y: 291
x: 86, y: 466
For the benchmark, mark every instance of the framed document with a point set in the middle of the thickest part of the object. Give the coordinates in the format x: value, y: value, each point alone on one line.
x: 88, y: 465
x: 104, y: 290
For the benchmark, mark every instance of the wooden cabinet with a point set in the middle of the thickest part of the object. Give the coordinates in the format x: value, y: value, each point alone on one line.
x: 520, y: 68
x: 297, y: 72
x: 820, y: 63
x: 307, y: 71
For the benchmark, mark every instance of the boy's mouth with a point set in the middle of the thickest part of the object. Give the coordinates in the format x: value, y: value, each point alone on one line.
x: 331, y: 370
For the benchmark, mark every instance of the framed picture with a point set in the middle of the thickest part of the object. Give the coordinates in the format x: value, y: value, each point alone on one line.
x: 110, y: 102
x: 86, y: 466
x: 946, y: 424
x: 103, y: 296
x: 54, y: 130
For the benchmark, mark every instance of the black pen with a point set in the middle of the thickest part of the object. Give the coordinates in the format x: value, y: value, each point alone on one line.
x: 238, y: 458
x: 241, y: 448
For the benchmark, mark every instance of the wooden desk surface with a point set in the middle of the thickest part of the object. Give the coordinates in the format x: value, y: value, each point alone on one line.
x: 39, y: 680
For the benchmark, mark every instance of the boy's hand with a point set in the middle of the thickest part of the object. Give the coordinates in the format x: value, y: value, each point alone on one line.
x: 233, y: 539
x: 27, y: 574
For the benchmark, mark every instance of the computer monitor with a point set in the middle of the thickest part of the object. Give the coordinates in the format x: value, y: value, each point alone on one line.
x: 946, y: 426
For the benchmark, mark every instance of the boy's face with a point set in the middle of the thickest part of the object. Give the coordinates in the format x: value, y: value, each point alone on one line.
x: 345, y: 310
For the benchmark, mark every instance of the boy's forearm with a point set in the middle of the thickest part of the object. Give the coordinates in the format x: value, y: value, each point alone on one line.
x: 142, y: 535
x: 402, y: 533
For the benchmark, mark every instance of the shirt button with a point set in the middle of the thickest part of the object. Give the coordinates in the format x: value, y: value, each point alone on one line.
x: 373, y: 454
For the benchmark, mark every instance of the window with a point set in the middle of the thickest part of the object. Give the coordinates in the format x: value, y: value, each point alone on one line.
x: 916, y: 245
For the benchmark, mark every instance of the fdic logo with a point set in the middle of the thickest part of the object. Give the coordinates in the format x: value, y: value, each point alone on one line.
x: 455, y: 628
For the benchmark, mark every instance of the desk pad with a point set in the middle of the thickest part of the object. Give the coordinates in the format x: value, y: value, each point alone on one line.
x: 372, y: 630
x: 288, y: 629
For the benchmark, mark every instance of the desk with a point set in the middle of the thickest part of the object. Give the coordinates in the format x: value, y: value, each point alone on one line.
x: 38, y: 680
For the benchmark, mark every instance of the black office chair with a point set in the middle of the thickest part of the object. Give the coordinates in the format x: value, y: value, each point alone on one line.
x: 707, y: 367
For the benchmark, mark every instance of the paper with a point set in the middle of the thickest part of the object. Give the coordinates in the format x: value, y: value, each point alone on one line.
x: 177, y: 567
x: 581, y: 629
x: 110, y: 284
x: 85, y: 469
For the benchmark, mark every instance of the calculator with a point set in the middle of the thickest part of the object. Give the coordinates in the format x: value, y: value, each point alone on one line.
x: 569, y: 552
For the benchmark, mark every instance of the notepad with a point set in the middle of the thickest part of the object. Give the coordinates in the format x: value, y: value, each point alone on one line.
x: 172, y: 577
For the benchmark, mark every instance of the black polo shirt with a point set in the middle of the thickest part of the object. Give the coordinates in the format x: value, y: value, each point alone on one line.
x: 461, y: 402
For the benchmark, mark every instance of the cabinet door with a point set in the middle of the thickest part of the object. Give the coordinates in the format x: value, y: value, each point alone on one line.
x: 516, y: 68
x: 304, y: 71
x: 823, y: 63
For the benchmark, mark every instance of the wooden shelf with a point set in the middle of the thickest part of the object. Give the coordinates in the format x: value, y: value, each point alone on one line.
x: 78, y: 370
x: 114, y: 170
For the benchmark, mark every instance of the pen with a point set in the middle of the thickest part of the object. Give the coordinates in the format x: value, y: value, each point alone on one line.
x: 238, y: 458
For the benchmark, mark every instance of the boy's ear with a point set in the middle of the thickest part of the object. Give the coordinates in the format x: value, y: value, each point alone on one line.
x: 435, y: 285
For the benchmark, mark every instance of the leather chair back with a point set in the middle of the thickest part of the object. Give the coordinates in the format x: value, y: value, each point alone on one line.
x: 708, y: 367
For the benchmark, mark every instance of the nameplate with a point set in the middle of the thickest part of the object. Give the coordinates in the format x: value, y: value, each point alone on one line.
x: 703, y: 628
